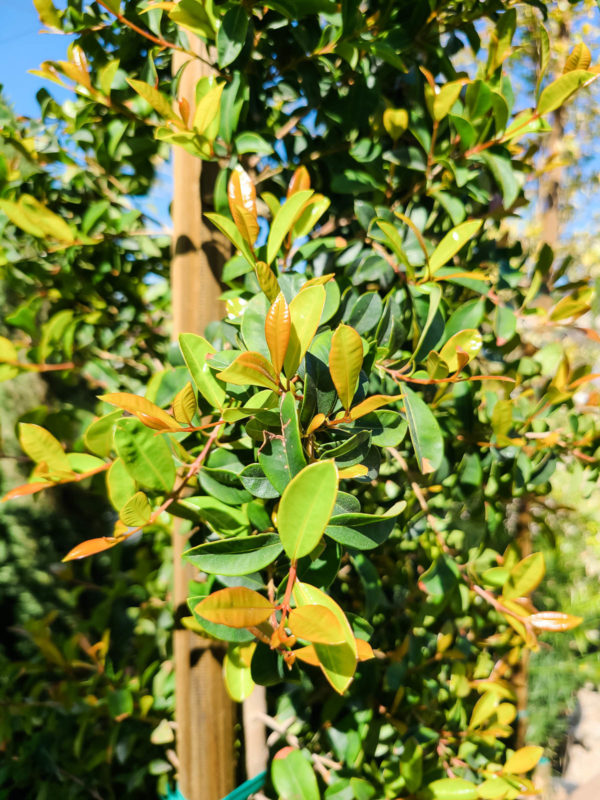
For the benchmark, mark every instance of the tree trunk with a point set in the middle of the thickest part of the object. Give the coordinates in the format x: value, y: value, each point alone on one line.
x: 204, y: 713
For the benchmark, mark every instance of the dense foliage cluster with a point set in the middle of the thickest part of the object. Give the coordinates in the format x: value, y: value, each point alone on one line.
x: 357, y: 447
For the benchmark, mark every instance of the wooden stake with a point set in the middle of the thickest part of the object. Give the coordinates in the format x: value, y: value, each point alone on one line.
x: 204, y: 713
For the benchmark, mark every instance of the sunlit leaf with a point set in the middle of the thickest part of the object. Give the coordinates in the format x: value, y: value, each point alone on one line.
x: 525, y: 576
x: 241, y: 195
x: 150, y: 414
x: 306, y: 310
x: 277, y: 331
x: 90, y: 548
x: 316, y: 624
x: 250, y: 369
x: 554, y: 621
x: 523, y: 760
x: 236, y: 607
x: 285, y: 220
x: 345, y: 362
x: 452, y: 242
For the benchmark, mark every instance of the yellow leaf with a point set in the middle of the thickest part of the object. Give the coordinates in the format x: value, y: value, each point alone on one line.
x: 236, y: 607
x: 305, y: 314
x: 523, y: 760
x: 395, y: 121
x: 317, y: 624
x: 241, y: 195
x: 345, y: 362
x: 364, y: 650
x: 277, y: 331
x: 357, y: 471
x: 579, y: 58
x: 184, y: 405
x: 207, y: 109
x: 466, y: 343
x: 150, y: 414
x: 267, y: 280
x: 43, y: 448
x: 250, y: 369
x: 372, y: 404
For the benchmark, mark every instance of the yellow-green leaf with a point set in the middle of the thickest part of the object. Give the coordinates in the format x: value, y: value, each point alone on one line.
x: 236, y: 607
x: 284, y: 221
x: 445, y: 99
x: 184, y: 404
x: 305, y: 314
x: 277, y: 331
x: 452, y: 242
x: 395, y: 121
x: 305, y: 508
x: 372, y: 404
x: 207, y: 109
x: 195, y: 350
x: 241, y: 195
x: 524, y: 760
x: 43, y: 448
x: 452, y: 789
x: 316, y: 624
x: 337, y: 661
x: 525, y: 576
x: 150, y: 414
x: 159, y: 102
x: 461, y: 348
x: 345, y: 362
x: 237, y: 672
x: 561, y: 89
x: 136, y: 511
x: 250, y: 369
x: 267, y: 280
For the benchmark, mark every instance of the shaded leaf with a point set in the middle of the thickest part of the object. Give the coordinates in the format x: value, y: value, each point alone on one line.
x: 235, y: 556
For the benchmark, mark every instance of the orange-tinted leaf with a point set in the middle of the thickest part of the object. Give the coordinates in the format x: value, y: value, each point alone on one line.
x: 278, y: 324
x: 237, y: 607
x: 250, y: 369
x: 299, y: 182
x: 345, y: 362
x: 524, y: 759
x: 308, y: 654
x: 242, y: 204
x: 91, y: 547
x: 554, y: 621
x: 372, y: 404
x: 364, y: 650
x: 315, y: 423
x: 315, y: 623
x: 25, y: 489
x: 148, y: 413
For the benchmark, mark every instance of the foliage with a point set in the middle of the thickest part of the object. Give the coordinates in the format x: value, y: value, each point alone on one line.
x: 349, y: 444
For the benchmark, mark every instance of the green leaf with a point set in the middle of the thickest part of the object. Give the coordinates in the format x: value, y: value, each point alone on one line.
x: 48, y: 14
x: 452, y: 242
x: 292, y: 442
x: 237, y: 672
x: 411, y: 764
x: 146, y: 455
x: 525, y: 576
x: 231, y: 35
x: 250, y: 369
x: 228, y: 229
x: 441, y: 577
x: 363, y: 531
x: 235, y: 556
x: 195, y: 350
x: 119, y: 483
x: 284, y: 221
x: 306, y: 309
x: 445, y: 99
x: 293, y: 777
x: 222, y: 518
x: 561, y: 89
x: 345, y: 362
x: 213, y: 629
x: 136, y: 511
x: 424, y: 431
x: 256, y: 482
x: 306, y: 507
x: 193, y: 14
x: 452, y: 789
x: 236, y: 607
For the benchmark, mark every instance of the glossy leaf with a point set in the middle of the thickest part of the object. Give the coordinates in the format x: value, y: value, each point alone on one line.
x: 452, y: 242
x: 241, y: 195
x: 306, y: 507
x: 184, y: 405
x: 299, y: 182
x: 554, y: 621
x: 236, y: 607
x: 305, y: 314
x: 195, y: 350
x: 147, y: 457
x: 231, y: 35
x: 235, y: 556
x: 250, y: 369
x: 90, y: 548
x: 461, y: 348
x: 316, y: 624
x: 445, y: 99
x: 523, y: 760
x: 424, y: 430
x: 345, y: 362
x: 293, y: 777
x: 363, y: 531
x: 277, y: 331
x: 452, y: 789
x: 372, y: 404
x: 148, y: 413
x: 395, y: 121
x: 284, y: 221
x: 237, y: 672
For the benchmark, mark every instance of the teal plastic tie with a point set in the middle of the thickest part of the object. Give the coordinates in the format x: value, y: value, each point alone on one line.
x: 242, y: 792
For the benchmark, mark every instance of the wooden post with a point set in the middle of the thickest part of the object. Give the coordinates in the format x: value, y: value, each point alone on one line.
x: 204, y: 713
